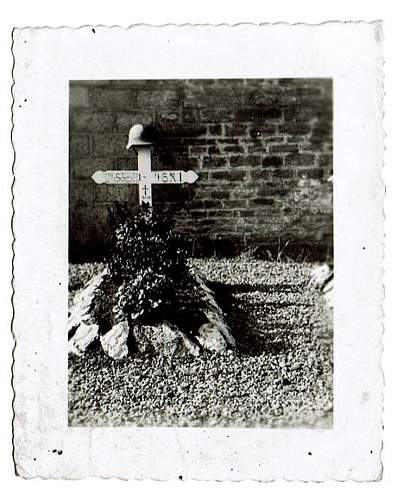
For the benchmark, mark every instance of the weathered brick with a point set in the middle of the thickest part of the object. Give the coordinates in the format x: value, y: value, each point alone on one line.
x: 79, y: 97
x: 204, y: 82
x: 83, y: 168
x: 248, y: 186
x: 236, y: 204
x: 186, y: 163
x: 185, y: 131
x: 92, y: 121
x: 265, y: 130
x: 264, y: 213
x: 79, y: 146
x: 191, y: 141
x: 148, y: 84
x: 213, y: 221
x: 246, y: 212
x: 253, y: 146
x: 225, y: 226
x: 82, y: 191
x: 295, y: 112
x: 272, y: 161
x: 190, y: 115
x: 284, y: 173
x: 157, y: 98
x: 215, y: 162
x: 312, y: 147
x: 229, y: 175
x: 228, y: 141
x: 218, y: 93
x: 223, y: 214
x: 233, y: 148
x: 198, y: 150
x: 313, y: 102
x: 258, y: 114
x: 261, y: 173
x: 126, y: 163
x: 325, y: 160
x: 296, y: 139
x: 295, y: 128
x: 196, y: 204
x: 220, y: 194
x: 261, y: 201
x: 197, y: 213
x: 283, y: 148
x: 299, y: 159
x: 236, y: 129
x: 120, y: 192
x: 216, y: 115
x: 110, y: 145
x: 112, y: 99
x: 245, y: 161
x: 324, y: 130
x: 215, y: 129
x: 319, y: 139
x: 289, y: 82
x: 311, y: 173
x: 203, y: 176
x: 308, y: 90
x: 124, y: 120
x: 242, y: 192
x: 170, y: 154
x: 274, y: 139
x: 214, y: 150
x: 264, y: 97
x: 212, y: 203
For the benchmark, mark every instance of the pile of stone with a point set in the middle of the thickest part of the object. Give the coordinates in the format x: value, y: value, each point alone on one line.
x: 322, y: 278
x: 162, y: 337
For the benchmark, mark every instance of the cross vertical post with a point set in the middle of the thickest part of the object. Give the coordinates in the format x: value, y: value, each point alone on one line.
x: 144, y: 171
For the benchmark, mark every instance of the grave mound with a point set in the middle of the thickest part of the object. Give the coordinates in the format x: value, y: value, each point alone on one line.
x: 148, y: 298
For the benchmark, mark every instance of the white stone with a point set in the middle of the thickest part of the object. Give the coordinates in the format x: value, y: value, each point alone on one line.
x: 211, y: 338
x: 218, y: 322
x: 83, y: 338
x: 114, y: 342
x: 82, y: 302
x: 320, y: 275
x: 163, y: 338
x: 190, y: 346
x: 328, y: 292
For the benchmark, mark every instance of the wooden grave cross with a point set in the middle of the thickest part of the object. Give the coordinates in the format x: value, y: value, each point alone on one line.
x: 144, y: 176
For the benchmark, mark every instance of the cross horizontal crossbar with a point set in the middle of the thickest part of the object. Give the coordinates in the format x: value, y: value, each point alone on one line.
x: 136, y: 177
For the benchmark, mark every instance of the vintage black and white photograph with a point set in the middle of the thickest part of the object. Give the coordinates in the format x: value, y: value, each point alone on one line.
x: 201, y: 253
x: 198, y: 252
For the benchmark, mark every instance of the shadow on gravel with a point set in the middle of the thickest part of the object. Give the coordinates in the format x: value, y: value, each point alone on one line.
x: 249, y: 322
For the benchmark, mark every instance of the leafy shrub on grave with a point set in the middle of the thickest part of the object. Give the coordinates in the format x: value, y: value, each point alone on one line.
x: 146, y: 263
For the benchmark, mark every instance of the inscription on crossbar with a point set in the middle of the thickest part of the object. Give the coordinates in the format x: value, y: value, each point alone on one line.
x: 135, y: 177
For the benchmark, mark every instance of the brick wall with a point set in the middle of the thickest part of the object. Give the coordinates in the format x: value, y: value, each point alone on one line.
x: 262, y: 149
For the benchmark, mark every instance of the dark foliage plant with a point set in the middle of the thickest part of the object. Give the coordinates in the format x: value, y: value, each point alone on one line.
x: 147, y: 264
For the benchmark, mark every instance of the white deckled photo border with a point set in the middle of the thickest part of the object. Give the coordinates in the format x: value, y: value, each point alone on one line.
x: 45, y: 61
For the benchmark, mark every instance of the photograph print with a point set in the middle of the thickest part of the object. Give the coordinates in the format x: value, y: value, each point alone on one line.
x: 201, y: 253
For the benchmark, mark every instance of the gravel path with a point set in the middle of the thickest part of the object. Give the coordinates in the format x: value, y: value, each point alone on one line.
x: 280, y: 375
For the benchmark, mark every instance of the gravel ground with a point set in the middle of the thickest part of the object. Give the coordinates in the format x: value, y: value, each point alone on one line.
x: 280, y: 375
